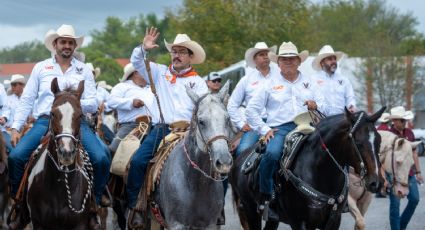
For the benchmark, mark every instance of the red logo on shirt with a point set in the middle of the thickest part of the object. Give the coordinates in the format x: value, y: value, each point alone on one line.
x: 278, y: 87
x: 254, y: 83
x: 320, y: 82
x: 48, y: 67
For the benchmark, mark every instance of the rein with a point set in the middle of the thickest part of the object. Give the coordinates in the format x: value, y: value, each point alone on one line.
x: 207, y: 143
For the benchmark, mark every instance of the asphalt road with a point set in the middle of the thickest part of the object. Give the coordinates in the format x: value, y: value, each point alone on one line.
x: 377, y: 216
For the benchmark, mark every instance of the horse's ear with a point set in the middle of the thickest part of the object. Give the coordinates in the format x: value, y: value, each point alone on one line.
x: 350, y: 116
x: 224, y: 91
x: 55, y: 86
x: 192, y: 94
x: 80, y: 89
x: 374, y: 117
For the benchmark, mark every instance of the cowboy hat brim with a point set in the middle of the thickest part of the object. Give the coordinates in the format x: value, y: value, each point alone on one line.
x: 251, y: 52
x: 408, y: 115
x: 303, y: 55
x: 198, y: 52
x: 316, y: 62
x: 96, y: 72
x: 51, y: 37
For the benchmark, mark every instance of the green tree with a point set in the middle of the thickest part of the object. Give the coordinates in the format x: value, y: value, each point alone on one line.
x: 111, y: 70
x: 32, y: 51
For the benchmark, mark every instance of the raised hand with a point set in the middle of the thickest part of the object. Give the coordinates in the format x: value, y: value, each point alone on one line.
x: 149, y: 41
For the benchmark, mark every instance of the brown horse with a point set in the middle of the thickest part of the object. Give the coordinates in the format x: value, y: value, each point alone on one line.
x: 59, y: 194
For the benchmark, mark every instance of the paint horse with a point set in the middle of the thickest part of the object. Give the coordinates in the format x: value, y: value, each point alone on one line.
x: 397, y: 159
x: 59, y: 190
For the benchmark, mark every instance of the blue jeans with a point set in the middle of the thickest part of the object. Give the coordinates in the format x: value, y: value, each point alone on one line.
x: 9, y: 146
x: 97, y: 151
x: 248, y: 139
x: 140, y: 160
x: 398, y: 222
x: 270, y: 159
x: 108, y: 135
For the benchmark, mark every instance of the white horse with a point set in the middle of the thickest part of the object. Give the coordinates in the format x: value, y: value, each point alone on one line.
x: 394, y: 151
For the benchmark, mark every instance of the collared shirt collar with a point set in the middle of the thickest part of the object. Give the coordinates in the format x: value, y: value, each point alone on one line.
x: 292, y: 82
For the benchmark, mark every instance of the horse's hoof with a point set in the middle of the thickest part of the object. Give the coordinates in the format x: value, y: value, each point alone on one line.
x: 136, y: 219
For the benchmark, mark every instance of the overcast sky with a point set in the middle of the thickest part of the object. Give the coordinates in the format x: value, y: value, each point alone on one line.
x: 26, y: 20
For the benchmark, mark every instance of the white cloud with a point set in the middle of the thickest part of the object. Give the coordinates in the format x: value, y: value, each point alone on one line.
x: 13, y: 35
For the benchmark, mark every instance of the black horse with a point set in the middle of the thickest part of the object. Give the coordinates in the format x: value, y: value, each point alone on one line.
x: 316, y: 190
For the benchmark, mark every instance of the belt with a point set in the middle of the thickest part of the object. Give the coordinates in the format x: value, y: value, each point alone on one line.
x: 44, y: 116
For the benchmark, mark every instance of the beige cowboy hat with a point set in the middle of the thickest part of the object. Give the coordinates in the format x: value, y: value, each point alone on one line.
x: 325, y: 51
x: 384, y: 118
x: 128, y: 70
x: 288, y: 49
x: 399, y: 112
x: 65, y: 31
x: 184, y: 40
x: 251, y: 52
x: 303, y: 121
x: 17, y: 78
x: 95, y: 70
x: 104, y: 85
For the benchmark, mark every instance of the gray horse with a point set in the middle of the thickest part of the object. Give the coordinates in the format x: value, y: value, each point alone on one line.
x: 190, y: 192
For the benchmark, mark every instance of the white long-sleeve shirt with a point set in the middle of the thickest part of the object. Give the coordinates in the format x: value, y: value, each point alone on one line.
x: 10, y: 108
x: 337, y: 91
x: 244, y: 91
x: 121, y: 99
x: 37, y: 91
x: 175, y: 103
x: 283, y: 100
x: 4, y: 111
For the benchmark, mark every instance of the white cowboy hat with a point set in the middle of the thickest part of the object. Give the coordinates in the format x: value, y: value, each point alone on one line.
x: 17, y: 78
x: 399, y: 112
x: 288, y: 49
x: 128, y: 70
x: 384, y: 118
x: 184, y: 40
x: 95, y: 70
x: 303, y: 121
x: 104, y: 85
x: 325, y: 51
x: 251, y: 52
x: 66, y: 31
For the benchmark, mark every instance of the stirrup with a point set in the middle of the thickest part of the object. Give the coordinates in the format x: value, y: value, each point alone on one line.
x: 131, y: 219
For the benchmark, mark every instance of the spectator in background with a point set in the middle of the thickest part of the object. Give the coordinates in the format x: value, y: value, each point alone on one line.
x: 399, y: 116
x: 214, y: 82
x: 384, y: 122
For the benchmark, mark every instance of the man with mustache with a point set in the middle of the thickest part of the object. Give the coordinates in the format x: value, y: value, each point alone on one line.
x: 170, y: 83
x: 336, y: 89
x: 38, y: 95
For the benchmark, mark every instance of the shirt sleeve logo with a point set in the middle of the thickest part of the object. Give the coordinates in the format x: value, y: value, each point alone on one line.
x: 79, y: 70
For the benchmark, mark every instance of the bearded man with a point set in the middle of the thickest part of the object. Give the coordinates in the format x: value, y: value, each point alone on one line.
x: 336, y: 89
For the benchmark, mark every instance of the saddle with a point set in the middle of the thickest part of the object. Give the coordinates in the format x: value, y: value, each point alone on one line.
x: 153, y: 172
x: 129, y: 145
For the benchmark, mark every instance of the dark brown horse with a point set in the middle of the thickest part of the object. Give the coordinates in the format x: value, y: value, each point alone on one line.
x: 59, y: 194
x: 316, y: 190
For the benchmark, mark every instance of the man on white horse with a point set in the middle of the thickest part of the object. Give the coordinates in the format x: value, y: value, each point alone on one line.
x: 170, y: 82
x: 335, y: 88
x: 69, y: 72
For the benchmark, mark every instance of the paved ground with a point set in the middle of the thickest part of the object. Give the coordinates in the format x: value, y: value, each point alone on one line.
x: 377, y: 216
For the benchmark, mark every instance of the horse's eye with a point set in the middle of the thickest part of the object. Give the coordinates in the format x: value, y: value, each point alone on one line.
x: 202, y: 122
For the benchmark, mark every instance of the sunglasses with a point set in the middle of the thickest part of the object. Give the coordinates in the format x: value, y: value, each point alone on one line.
x: 216, y: 80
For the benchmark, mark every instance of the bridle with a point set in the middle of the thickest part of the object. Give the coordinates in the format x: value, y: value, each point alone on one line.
x: 207, y: 142
x: 394, y: 179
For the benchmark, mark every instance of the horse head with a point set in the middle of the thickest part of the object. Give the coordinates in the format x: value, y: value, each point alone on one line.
x: 397, y: 155
x: 366, y: 144
x: 65, y: 119
x: 210, y: 128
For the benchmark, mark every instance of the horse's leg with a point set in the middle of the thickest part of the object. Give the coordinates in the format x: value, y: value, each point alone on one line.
x: 119, y: 209
x: 103, y: 214
x: 365, y: 202
x: 355, y: 212
x: 271, y: 225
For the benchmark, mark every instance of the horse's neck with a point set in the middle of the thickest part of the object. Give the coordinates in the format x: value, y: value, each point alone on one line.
x: 320, y: 167
x: 201, y: 159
